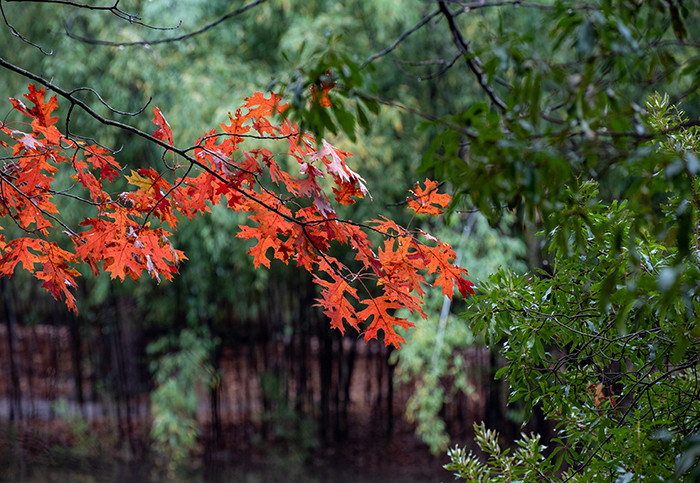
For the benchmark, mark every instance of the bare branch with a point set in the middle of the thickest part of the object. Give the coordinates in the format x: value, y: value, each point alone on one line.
x: 89, y: 89
x: 446, y: 66
x: 229, y: 15
x: 469, y: 56
x: 20, y: 36
x: 465, y: 7
x: 401, y: 38
x: 414, y: 111
x: 114, y: 9
x: 181, y: 152
x: 9, y: 182
x: 515, y: 3
x: 422, y: 62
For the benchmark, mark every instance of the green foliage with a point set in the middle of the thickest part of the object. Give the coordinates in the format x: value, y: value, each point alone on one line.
x: 567, y: 117
x: 526, y: 464
x: 607, y: 344
x: 181, y: 370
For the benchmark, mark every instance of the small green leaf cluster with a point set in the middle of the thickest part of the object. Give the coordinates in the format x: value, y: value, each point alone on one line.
x: 527, y: 463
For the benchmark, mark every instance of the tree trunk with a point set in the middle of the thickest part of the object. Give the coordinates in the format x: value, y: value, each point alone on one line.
x: 77, y: 361
x: 390, y: 395
x: 326, y: 367
x: 11, y: 321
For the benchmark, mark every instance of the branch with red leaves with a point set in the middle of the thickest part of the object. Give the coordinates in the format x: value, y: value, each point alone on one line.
x: 295, y: 222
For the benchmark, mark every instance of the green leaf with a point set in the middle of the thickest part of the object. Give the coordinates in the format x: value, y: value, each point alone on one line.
x: 345, y: 119
x: 585, y: 38
x: 372, y: 105
x: 363, y: 120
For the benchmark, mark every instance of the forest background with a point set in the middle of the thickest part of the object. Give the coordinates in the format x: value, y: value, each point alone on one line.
x: 538, y: 117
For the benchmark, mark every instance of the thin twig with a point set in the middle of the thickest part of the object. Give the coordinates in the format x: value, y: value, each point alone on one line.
x: 440, y: 72
x: 114, y: 9
x: 182, y: 152
x: 401, y: 38
x: 469, y: 56
x: 20, y: 36
x: 31, y: 201
x: 229, y: 15
x: 124, y: 113
x: 516, y: 3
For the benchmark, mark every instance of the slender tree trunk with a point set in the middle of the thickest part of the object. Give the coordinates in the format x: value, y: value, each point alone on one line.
x: 215, y: 393
x: 11, y: 321
x: 302, y: 375
x: 248, y: 370
x: 390, y: 395
x: 379, y: 364
x: 494, y: 414
x: 53, y: 372
x: 121, y: 390
x: 338, y: 356
x: 346, y: 364
x: 125, y: 389
x: 31, y: 396
x: 326, y: 368
x: 76, y: 345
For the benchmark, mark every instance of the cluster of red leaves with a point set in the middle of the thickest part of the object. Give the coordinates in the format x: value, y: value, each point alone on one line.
x: 299, y: 225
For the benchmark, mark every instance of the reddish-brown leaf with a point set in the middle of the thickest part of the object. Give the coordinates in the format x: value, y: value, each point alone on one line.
x: 164, y: 133
x: 335, y: 305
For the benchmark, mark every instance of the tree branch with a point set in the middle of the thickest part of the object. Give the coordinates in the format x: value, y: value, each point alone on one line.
x: 114, y: 9
x: 181, y: 152
x: 469, y: 56
x: 20, y: 36
x: 229, y: 15
x: 401, y: 38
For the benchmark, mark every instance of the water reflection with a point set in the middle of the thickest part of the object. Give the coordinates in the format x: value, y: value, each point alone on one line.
x: 271, y: 474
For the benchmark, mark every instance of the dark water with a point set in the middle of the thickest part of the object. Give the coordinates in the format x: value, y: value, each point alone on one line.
x: 230, y: 475
x: 57, y: 466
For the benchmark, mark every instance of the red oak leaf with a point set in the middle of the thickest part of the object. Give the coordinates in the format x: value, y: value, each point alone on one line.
x: 41, y: 112
x: 377, y: 311
x: 164, y: 133
x: 424, y: 200
x: 333, y: 300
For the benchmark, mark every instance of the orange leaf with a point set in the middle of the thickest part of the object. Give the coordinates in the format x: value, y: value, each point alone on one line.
x: 41, y: 112
x: 378, y: 311
x: 19, y: 253
x: 56, y: 273
x: 346, y: 191
x: 428, y: 200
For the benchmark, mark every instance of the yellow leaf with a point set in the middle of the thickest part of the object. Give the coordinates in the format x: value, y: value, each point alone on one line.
x: 146, y: 184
